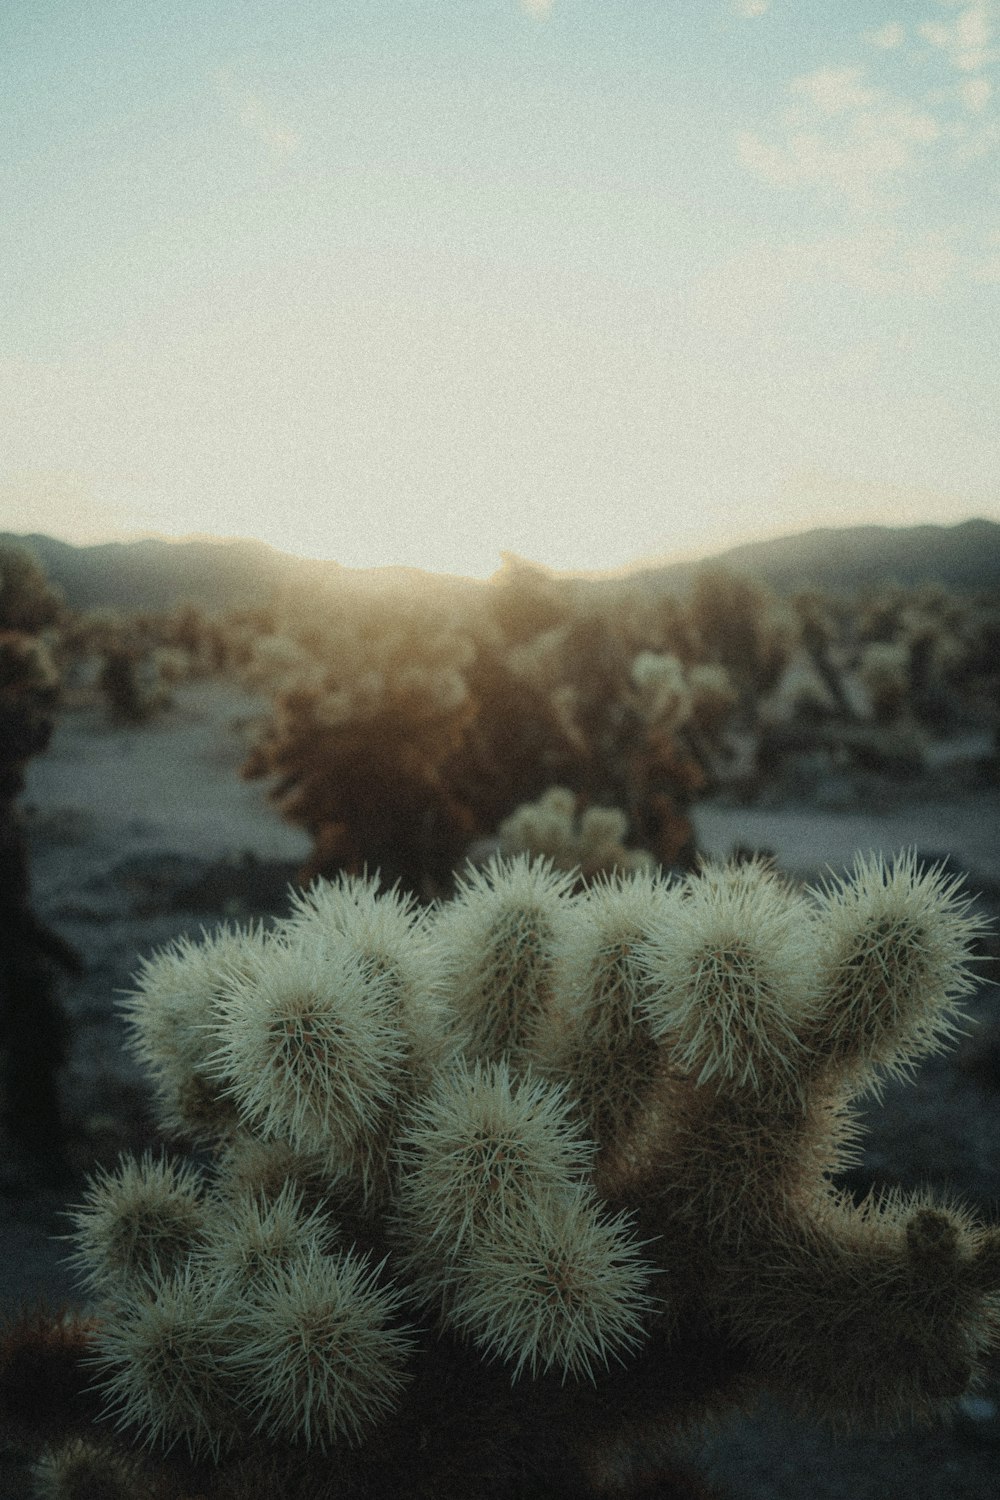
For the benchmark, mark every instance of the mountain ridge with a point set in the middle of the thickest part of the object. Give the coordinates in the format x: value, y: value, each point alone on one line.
x: 243, y: 573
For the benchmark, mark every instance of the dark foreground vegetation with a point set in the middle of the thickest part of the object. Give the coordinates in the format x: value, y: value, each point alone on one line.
x: 560, y: 1094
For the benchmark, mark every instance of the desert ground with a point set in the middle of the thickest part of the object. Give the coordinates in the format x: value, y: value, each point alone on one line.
x: 140, y: 834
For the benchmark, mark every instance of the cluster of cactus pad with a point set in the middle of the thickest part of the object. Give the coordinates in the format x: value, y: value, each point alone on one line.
x: 404, y: 728
x: 489, y: 1192
x: 589, y: 841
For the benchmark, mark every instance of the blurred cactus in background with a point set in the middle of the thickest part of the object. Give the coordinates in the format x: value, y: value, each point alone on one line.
x: 509, y: 1193
x: 404, y: 729
x: 370, y: 701
x: 32, y: 1027
x: 744, y: 626
x: 876, y: 679
x: 132, y: 662
x: 28, y: 601
x: 589, y: 840
x: 29, y: 689
x: 29, y: 678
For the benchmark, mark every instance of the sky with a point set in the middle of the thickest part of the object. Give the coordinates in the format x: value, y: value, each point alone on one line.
x: 424, y: 281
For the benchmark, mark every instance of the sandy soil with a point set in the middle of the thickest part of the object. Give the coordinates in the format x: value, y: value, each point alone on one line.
x: 140, y: 834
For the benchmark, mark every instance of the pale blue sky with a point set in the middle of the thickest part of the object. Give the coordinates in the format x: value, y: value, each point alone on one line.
x: 418, y: 281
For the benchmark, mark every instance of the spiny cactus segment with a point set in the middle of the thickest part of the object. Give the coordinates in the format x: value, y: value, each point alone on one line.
x: 79, y: 1469
x: 566, y: 1130
x: 591, y: 840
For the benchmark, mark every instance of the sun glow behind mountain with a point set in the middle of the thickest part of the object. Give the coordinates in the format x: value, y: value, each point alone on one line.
x: 421, y: 283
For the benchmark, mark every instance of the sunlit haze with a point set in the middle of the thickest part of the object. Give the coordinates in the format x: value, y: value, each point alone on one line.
x: 422, y: 281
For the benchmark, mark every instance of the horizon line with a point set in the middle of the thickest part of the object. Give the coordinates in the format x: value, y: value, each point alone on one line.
x: 648, y: 563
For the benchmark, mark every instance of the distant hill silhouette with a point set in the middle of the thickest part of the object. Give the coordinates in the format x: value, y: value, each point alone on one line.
x: 156, y: 574
x: 964, y: 557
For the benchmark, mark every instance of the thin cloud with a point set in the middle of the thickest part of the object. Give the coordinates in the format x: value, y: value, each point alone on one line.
x: 842, y: 137
x: 741, y: 294
x: 968, y: 42
x: 986, y: 270
x: 835, y: 91
x: 255, y: 116
x: 887, y: 38
x: 540, y: 9
x: 975, y: 94
x: 856, y: 140
x: 751, y: 9
x: 845, y: 136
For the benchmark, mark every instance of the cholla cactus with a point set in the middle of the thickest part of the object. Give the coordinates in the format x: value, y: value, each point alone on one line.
x: 28, y: 601
x: 884, y: 671
x: 801, y: 695
x: 913, y: 653
x: 138, y: 1223
x: 33, y: 1029
x: 371, y: 698
x: 744, y: 626
x: 131, y: 681
x: 84, y: 1470
x: 137, y: 658
x: 641, y: 735
x: 29, y: 688
x: 405, y: 728
x: 664, y: 695
x: 713, y: 696
x: 175, y: 989
x: 590, y: 841
x: 277, y: 662
x: 597, y: 1031
x: 607, y: 1173
x: 496, y: 953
